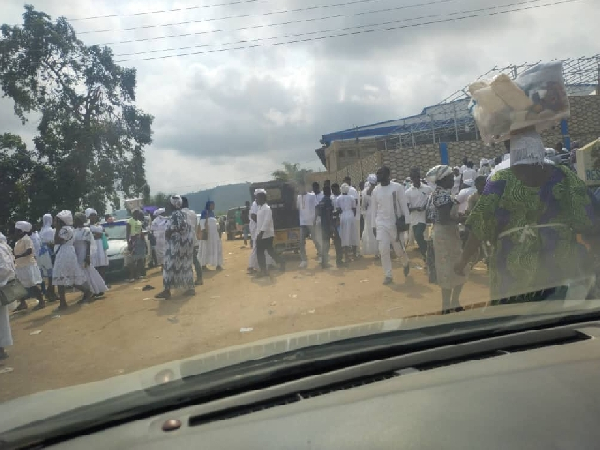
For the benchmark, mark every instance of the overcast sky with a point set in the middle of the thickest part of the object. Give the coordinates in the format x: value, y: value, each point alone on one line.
x: 234, y: 116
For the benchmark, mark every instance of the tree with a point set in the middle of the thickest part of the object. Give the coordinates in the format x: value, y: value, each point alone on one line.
x: 90, y: 132
x: 291, y: 173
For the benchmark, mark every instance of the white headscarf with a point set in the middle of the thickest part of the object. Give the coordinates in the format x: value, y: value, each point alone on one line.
x: 47, y: 232
x: 176, y: 201
x: 260, y: 191
x: 438, y: 172
x: 469, y: 182
x: 66, y: 216
x: 345, y: 188
x: 372, y: 179
x: 527, y: 148
x: 23, y: 226
x: 89, y: 212
x: 159, y: 211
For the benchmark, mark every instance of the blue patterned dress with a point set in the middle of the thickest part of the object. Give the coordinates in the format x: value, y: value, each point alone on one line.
x: 177, y: 268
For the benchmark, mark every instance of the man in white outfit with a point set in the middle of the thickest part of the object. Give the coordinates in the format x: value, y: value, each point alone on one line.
x: 389, y: 203
x: 352, y: 192
x: 307, y: 205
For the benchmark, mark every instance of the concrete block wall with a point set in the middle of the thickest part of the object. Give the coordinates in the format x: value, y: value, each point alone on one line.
x: 401, y: 161
x: 357, y: 171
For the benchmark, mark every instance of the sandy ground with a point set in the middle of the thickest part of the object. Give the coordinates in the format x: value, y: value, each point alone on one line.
x: 129, y: 330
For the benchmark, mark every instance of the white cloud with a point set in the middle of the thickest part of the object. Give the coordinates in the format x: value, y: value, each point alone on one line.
x: 235, y: 116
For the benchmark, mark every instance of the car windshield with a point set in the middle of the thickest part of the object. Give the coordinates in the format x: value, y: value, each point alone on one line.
x: 115, y: 231
x: 295, y: 168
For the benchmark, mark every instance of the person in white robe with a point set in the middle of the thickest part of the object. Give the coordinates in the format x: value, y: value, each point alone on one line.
x: 100, y: 259
x: 347, y: 206
x: 352, y: 192
x: 211, y: 247
x: 389, y: 203
x: 26, y: 268
x: 85, y: 249
x: 158, y: 228
x: 7, y: 273
x: 307, y: 207
x: 46, y: 255
x: 369, y: 242
x: 253, y: 259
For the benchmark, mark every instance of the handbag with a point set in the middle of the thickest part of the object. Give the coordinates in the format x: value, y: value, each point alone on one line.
x: 401, y: 225
x: 11, y: 292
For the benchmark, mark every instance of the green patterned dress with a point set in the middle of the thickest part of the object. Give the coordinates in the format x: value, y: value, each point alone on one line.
x: 533, y: 233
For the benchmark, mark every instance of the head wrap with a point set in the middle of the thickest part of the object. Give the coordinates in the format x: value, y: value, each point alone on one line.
x: 159, y: 211
x: 47, y: 221
x: 345, y: 188
x: 469, y: 182
x: 260, y: 191
x: 438, y: 172
x: 372, y: 178
x: 527, y: 148
x: 80, y: 216
x: 176, y: 201
x: 207, y: 212
x: 23, y: 226
x: 66, y: 216
x: 90, y: 211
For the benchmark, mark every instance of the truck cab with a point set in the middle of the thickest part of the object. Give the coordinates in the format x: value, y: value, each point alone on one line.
x: 281, y: 197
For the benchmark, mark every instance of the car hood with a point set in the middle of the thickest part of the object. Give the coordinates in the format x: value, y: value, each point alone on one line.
x: 41, y: 405
x: 116, y: 247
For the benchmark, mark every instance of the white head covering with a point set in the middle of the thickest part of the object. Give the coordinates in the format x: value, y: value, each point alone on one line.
x: 438, y: 172
x: 89, y: 212
x: 66, y: 216
x: 259, y: 191
x: 176, y: 201
x: 345, y: 188
x: 159, y: 211
x: 2, y: 238
x: 469, y: 182
x: 527, y: 148
x: 23, y: 226
x: 47, y: 221
x: 372, y: 178
x: 47, y: 233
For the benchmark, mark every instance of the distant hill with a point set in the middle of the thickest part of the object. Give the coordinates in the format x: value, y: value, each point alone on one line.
x: 225, y: 197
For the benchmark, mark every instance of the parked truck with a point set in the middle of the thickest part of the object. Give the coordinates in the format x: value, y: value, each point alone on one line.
x: 281, y: 197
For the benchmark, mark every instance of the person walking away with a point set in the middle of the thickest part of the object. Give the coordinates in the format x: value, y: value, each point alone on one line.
x: 446, y: 239
x: 531, y: 213
x: 85, y: 249
x: 469, y: 173
x: 388, y: 205
x: 361, y: 227
x: 246, y: 223
x: 135, y: 245
x: 347, y: 206
x: 325, y: 213
x: 307, y: 204
x: 352, y: 192
x: 316, y: 189
x: 265, y: 234
x: 7, y: 273
x: 46, y: 255
x: 67, y: 271
x: 417, y: 196
x: 158, y: 228
x: 211, y: 245
x: 177, y: 267
x: 192, y: 219
x: 369, y: 242
x: 99, y: 258
x: 26, y: 268
x: 337, y: 241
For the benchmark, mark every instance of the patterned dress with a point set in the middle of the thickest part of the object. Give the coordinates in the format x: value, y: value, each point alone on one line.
x: 533, y: 234
x: 177, y: 268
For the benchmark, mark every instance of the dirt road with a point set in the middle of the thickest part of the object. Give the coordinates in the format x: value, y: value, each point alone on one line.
x: 129, y: 329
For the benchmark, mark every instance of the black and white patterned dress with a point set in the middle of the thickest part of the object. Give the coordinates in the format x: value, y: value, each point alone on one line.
x: 177, y: 268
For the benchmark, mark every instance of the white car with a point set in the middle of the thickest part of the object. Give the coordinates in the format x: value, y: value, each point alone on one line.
x: 118, y: 254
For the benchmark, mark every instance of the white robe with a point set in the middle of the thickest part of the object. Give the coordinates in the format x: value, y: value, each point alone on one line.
x: 7, y: 273
x: 100, y: 259
x: 348, y: 233
x: 81, y: 238
x: 253, y: 259
x: 369, y: 242
x: 211, y: 250
x: 158, y: 228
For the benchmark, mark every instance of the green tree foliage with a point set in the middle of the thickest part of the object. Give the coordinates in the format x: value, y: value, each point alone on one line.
x: 90, y: 133
x: 291, y: 173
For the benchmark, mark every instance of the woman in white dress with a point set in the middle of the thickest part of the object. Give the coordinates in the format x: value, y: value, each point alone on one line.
x: 99, y: 258
x: 158, y: 228
x: 67, y: 271
x: 7, y: 273
x: 348, y: 233
x: 46, y: 255
x: 211, y: 247
x: 369, y: 241
x: 85, y: 249
x: 27, y: 270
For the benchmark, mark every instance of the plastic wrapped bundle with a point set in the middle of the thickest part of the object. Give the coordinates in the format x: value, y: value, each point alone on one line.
x: 536, y: 98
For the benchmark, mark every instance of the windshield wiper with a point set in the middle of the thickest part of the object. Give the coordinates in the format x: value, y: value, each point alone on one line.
x: 197, y: 388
